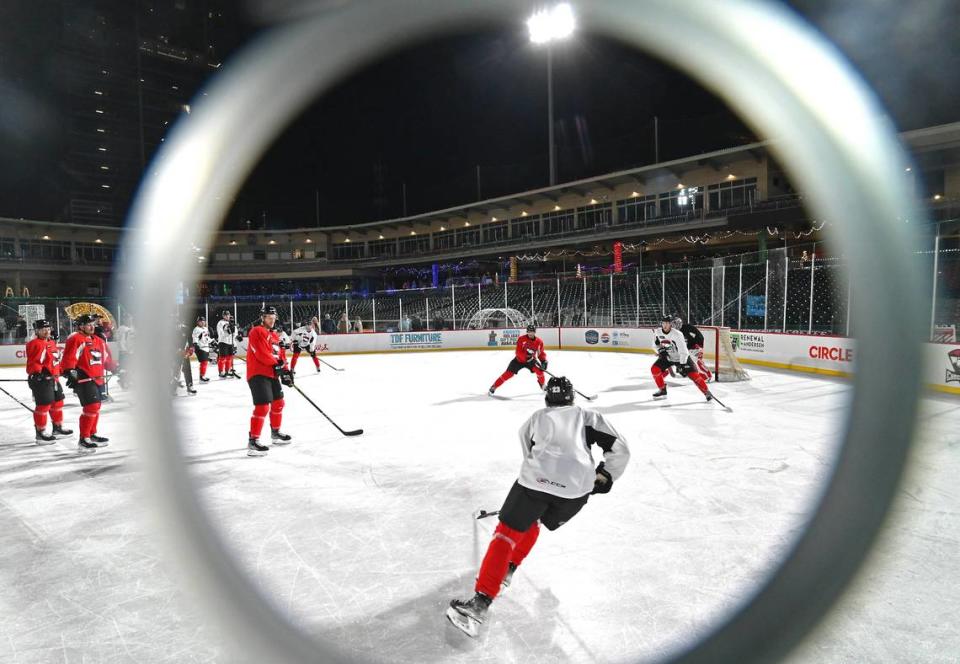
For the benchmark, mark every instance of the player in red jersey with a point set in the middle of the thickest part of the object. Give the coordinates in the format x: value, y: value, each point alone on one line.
x: 529, y: 353
x: 43, y: 373
x: 266, y: 369
x: 85, y: 359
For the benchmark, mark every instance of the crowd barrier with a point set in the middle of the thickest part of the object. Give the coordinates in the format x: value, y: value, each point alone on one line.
x: 821, y: 354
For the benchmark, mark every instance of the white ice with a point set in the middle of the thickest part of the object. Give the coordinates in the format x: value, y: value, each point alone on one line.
x: 364, y: 541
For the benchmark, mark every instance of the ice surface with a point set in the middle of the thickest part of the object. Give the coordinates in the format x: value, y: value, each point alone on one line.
x: 365, y: 540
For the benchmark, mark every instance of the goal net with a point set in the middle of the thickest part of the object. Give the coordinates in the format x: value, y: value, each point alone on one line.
x: 718, y: 355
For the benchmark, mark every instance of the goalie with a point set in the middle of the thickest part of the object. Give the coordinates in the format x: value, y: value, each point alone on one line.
x: 694, y: 338
x: 671, y: 349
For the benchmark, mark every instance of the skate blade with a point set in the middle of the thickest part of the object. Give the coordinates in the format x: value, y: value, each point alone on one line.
x: 277, y: 441
x: 103, y: 445
x: 84, y: 451
x: 256, y: 453
x: 45, y: 442
x: 465, y: 624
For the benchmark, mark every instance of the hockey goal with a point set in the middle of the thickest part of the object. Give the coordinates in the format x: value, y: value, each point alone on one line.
x: 718, y: 355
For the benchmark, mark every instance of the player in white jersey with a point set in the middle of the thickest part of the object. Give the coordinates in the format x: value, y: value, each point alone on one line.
x: 556, y: 479
x: 227, y: 339
x: 305, y: 338
x: 671, y: 348
x: 201, y: 346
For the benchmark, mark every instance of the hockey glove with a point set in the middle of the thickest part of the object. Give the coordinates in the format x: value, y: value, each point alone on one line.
x: 72, y: 378
x: 543, y: 365
x: 603, y: 483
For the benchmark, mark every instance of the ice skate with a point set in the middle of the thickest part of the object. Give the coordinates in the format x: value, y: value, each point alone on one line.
x: 491, y: 390
x: 44, y: 439
x: 511, y: 568
x: 204, y: 379
x: 468, y: 615
x: 660, y: 394
x: 99, y: 441
x: 254, y: 448
x: 279, y: 438
x: 58, y: 430
x: 86, y: 446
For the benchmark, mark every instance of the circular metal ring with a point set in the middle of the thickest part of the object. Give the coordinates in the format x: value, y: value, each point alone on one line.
x: 782, y: 78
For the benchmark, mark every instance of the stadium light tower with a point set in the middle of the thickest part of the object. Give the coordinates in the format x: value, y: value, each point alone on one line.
x: 547, y: 26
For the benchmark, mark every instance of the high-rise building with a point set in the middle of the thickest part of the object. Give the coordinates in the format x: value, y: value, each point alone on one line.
x: 128, y: 70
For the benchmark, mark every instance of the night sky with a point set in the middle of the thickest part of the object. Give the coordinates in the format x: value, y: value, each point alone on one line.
x: 428, y: 116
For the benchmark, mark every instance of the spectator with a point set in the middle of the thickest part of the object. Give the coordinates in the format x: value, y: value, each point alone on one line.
x: 358, y: 325
x: 328, y: 326
x: 344, y: 326
x: 3, y: 329
x: 20, y: 334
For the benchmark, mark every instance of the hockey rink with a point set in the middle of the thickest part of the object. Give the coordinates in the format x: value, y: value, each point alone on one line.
x: 364, y: 541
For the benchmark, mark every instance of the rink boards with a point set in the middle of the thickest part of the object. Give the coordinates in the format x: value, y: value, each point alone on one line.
x: 822, y: 354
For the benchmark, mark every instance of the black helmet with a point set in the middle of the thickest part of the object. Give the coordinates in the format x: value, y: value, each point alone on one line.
x: 666, y: 319
x: 559, y: 391
x: 268, y: 310
x: 84, y: 319
x: 531, y: 328
x: 225, y: 312
x: 201, y: 319
x: 41, y: 323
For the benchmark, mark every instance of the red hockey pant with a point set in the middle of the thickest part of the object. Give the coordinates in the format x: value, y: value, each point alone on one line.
x: 260, y: 412
x: 695, y: 376
x: 507, y: 546
x: 88, y: 419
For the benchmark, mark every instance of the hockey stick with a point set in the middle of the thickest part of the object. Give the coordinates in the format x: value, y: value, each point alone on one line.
x: 725, y: 406
x: 483, y: 514
x: 588, y: 398
x: 329, y: 365
x: 13, y: 380
x: 355, y: 432
x: 16, y: 399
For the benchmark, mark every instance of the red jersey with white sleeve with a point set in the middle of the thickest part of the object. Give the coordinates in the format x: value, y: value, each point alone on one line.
x: 527, y: 348
x: 43, y: 354
x: 88, y: 354
x: 264, y: 352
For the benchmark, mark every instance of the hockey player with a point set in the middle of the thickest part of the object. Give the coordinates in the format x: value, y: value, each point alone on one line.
x: 266, y: 370
x: 227, y: 340
x: 304, y: 339
x: 43, y: 373
x: 529, y: 355
x: 694, y: 339
x: 671, y: 350
x: 201, y: 346
x: 182, y: 364
x: 556, y: 479
x: 85, y: 358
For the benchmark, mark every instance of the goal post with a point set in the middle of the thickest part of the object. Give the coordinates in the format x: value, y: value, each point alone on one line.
x: 719, y: 356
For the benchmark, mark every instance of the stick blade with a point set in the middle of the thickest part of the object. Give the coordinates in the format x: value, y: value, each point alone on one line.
x: 355, y: 432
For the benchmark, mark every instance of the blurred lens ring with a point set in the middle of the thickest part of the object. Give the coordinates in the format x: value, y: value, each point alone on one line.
x: 207, y: 157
